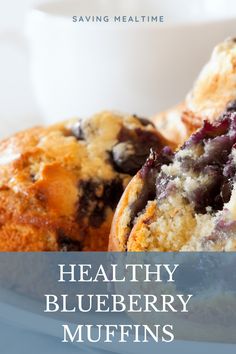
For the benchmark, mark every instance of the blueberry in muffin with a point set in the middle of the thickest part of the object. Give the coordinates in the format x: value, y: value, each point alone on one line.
x: 183, y: 201
x: 59, y: 185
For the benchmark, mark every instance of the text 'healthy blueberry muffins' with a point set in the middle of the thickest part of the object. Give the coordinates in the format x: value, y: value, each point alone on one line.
x: 59, y: 185
x: 183, y: 201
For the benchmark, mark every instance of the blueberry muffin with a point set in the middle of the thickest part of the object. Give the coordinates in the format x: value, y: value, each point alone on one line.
x: 59, y: 185
x: 183, y: 201
x: 212, y: 91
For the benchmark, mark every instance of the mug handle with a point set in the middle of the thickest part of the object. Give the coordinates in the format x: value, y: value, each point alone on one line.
x: 17, y: 39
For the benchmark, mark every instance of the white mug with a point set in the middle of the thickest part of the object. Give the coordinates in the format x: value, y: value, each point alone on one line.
x: 79, y: 68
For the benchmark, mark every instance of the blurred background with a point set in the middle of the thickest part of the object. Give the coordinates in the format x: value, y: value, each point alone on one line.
x: 17, y: 104
x: 132, y: 80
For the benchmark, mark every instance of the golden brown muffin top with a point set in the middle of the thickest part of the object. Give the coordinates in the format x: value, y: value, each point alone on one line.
x: 214, y: 88
x: 52, y: 179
